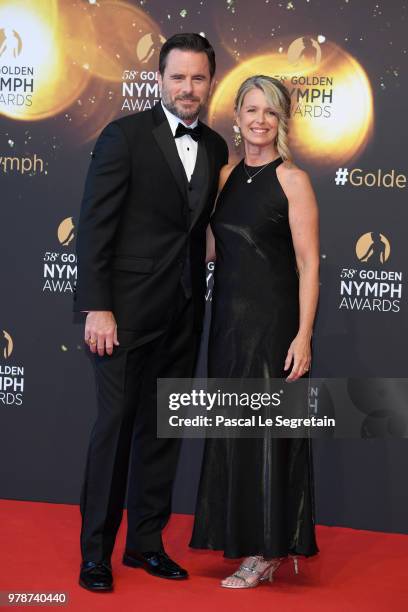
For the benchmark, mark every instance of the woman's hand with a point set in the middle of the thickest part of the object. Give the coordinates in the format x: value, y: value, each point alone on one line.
x: 301, y: 355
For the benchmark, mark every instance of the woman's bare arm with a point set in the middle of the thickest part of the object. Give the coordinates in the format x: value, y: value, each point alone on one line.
x: 304, y: 225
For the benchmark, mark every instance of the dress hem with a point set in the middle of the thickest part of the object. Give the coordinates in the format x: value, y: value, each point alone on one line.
x: 251, y: 552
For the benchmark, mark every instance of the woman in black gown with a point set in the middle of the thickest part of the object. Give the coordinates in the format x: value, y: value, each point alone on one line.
x: 255, y: 497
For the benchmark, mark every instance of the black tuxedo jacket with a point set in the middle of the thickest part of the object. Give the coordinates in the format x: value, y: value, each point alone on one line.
x: 135, y: 229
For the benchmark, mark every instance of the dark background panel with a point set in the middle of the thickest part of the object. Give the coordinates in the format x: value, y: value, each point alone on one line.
x: 359, y: 483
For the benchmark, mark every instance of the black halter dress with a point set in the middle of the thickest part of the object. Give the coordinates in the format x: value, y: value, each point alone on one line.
x: 255, y: 495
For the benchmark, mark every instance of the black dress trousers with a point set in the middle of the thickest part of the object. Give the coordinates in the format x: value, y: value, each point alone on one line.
x: 124, y: 448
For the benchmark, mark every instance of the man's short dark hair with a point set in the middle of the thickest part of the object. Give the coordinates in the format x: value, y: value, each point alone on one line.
x: 187, y: 42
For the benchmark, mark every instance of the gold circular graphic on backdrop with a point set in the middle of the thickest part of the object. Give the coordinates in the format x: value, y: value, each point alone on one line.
x: 65, y: 231
x: 119, y: 36
x: 324, y: 142
x: 55, y: 81
x: 373, y: 248
x: 8, y: 348
x: 67, y: 45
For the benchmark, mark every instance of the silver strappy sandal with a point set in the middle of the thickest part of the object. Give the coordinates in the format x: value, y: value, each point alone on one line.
x: 261, y: 575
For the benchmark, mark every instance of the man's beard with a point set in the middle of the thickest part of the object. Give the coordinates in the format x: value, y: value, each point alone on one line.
x: 183, y: 115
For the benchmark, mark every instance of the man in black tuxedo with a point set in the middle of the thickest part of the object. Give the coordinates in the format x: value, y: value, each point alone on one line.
x: 148, y: 196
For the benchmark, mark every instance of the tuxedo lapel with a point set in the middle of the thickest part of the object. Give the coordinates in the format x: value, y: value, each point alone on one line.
x: 164, y: 138
x: 203, y: 160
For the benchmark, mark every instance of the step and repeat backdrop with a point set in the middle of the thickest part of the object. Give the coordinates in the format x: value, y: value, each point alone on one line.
x: 67, y: 68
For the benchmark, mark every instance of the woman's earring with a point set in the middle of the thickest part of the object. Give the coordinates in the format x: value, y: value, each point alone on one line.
x: 237, y: 135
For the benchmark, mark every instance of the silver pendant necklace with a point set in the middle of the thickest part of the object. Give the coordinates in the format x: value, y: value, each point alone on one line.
x: 251, y: 178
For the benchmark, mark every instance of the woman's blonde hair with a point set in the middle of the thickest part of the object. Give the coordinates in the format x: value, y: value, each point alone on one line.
x: 278, y: 98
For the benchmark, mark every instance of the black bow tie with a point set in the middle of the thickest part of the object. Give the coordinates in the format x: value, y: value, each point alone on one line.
x: 182, y: 130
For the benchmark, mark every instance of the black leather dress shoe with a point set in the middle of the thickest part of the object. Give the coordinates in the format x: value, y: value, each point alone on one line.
x: 96, y: 576
x: 156, y: 563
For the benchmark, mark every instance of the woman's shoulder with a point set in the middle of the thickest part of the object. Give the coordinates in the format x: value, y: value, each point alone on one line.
x: 291, y: 175
x: 227, y: 169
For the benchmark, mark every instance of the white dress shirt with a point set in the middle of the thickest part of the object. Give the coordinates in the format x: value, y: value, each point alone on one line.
x: 186, y: 146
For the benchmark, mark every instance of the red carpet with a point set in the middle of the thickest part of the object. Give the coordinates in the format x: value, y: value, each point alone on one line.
x: 355, y: 570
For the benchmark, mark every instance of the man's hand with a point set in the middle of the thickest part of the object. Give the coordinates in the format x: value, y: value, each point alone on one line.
x: 101, y: 331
